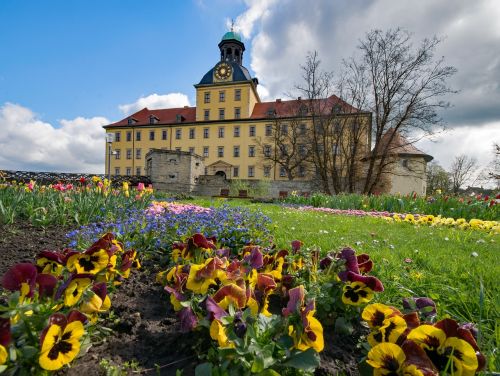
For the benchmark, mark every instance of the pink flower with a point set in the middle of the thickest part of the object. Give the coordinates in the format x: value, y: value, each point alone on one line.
x: 140, y: 187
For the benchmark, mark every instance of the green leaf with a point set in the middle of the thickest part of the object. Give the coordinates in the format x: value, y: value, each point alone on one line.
x: 305, y: 360
x: 343, y: 326
x: 3, y: 367
x: 269, y: 372
x: 28, y: 351
x: 203, y: 369
x: 258, y: 364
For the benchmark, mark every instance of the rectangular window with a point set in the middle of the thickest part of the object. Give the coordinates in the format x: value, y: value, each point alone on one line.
x: 138, y: 135
x: 236, y: 172
x: 252, y: 131
x: 138, y: 171
x: 163, y: 135
x: 302, y: 171
x: 220, y: 151
x: 151, y: 135
x: 129, y: 171
x: 117, y: 154
x: 237, y: 94
x: 137, y: 153
x: 129, y: 153
x: 178, y: 134
x: 222, y: 96
x: 282, y: 172
x: 302, y: 150
x: 207, y: 97
x: 237, y: 112
x: 221, y: 132
x: 267, y: 151
x: 251, y: 171
x: 118, y: 136
x: 236, y: 151
x: 206, y: 115
x: 222, y: 114
x: 236, y: 131
x: 302, y: 129
x: 267, y: 171
x: 205, y: 151
x: 191, y: 133
x: 284, y: 129
x: 117, y: 170
x: 269, y: 130
x: 205, y: 132
x: 129, y: 136
x: 283, y: 151
x: 191, y: 150
x: 251, y: 151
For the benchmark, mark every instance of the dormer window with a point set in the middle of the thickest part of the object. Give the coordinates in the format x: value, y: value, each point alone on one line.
x: 153, y: 119
x: 271, y: 112
x: 131, y: 120
x: 179, y: 118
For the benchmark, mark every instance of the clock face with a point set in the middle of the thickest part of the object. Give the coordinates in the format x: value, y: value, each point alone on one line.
x: 223, y: 71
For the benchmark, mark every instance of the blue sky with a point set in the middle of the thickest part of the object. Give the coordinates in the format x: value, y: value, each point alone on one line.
x: 64, y: 59
x: 67, y: 67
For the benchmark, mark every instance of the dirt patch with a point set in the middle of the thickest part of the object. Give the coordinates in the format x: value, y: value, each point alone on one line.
x: 144, y: 329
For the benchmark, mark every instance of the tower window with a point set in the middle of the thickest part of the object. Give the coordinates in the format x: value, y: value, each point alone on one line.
x: 222, y: 96
x: 206, y: 115
x: 207, y: 97
x: 237, y: 94
x: 237, y: 113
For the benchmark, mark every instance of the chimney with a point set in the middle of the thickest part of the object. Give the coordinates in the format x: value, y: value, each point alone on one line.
x: 186, y: 106
x: 278, y: 100
x: 299, y: 98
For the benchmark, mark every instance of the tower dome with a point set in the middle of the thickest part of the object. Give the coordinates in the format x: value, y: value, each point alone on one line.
x: 231, y: 48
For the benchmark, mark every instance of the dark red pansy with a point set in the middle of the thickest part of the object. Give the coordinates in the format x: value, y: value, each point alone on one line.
x: 325, y: 262
x: 75, y: 315
x: 365, y: 264
x: 351, y: 262
x: 254, y: 258
x: 296, y: 244
x: 214, y: 310
x: 19, y: 274
x: 265, y: 282
x: 178, y: 295
x: 417, y: 356
x: 100, y: 290
x: 199, y: 241
x: 46, y: 284
x: 188, y: 319
x: 370, y: 281
x: 237, y: 293
x: 5, y: 334
x: 295, y: 300
x: 52, y: 256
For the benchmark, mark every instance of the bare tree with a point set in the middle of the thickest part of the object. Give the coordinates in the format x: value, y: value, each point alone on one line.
x: 404, y: 85
x: 287, y: 142
x: 339, y: 130
x: 437, y: 178
x: 461, y: 171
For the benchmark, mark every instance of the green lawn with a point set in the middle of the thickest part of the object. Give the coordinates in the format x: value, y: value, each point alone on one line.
x: 446, y: 264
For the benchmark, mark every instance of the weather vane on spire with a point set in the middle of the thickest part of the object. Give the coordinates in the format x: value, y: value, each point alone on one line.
x: 232, y: 24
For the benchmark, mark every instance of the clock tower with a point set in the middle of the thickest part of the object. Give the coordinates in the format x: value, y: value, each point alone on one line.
x: 227, y: 91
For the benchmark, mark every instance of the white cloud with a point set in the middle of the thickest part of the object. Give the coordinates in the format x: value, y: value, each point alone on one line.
x: 257, y: 10
x: 28, y: 143
x: 473, y: 141
x: 155, y: 101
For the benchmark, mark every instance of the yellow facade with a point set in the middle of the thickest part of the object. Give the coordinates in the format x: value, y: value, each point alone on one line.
x: 225, y: 125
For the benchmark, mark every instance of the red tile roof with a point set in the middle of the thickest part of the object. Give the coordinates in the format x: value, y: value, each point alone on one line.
x: 293, y: 107
x: 261, y: 110
x: 400, y: 146
x: 163, y: 116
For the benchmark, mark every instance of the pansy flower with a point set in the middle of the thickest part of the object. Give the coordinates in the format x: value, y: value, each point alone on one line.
x: 218, y: 333
x: 129, y: 260
x: 5, y: 338
x: 375, y: 314
x: 447, y: 346
x: 391, y: 330
x: 92, y: 262
x: 202, y: 276
x: 50, y: 262
x: 73, y: 289
x: 309, y: 331
x: 356, y: 293
x: 96, y: 301
x: 60, y: 341
x: 21, y: 277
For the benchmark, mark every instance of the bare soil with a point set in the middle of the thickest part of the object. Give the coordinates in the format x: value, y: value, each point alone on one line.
x: 144, y: 329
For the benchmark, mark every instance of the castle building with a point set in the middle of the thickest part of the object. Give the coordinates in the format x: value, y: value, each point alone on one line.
x: 230, y: 128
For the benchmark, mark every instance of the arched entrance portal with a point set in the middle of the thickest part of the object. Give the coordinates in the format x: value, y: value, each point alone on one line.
x: 221, y: 173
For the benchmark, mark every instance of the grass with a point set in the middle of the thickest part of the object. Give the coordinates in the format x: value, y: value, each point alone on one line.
x: 437, y: 262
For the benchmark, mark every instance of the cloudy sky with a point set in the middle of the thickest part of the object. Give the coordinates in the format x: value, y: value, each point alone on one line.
x: 70, y: 67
